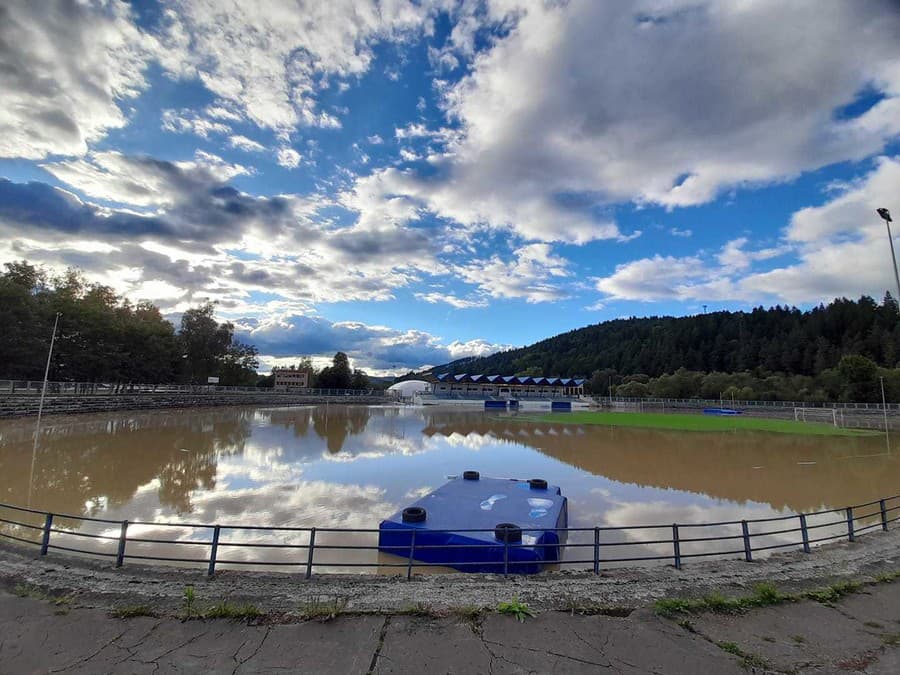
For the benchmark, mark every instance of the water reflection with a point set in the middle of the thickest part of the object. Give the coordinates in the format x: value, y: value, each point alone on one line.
x: 350, y: 466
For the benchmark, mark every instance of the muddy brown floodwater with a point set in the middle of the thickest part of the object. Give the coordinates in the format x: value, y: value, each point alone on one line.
x: 351, y: 466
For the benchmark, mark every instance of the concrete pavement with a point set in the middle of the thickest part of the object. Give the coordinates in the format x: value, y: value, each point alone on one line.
x: 859, y: 634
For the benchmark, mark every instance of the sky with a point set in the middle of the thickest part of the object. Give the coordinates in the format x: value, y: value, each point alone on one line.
x: 417, y: 182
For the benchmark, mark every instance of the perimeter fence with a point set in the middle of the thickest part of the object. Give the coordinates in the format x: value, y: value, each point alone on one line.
x: 34, y: 387
x: 310, y: 550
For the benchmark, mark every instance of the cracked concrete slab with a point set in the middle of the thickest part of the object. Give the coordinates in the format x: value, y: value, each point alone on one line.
x: 424, y: 645
x: 640, y: 643
x: 805, y: 634
x: 39, y: 637
x: 877, y: 608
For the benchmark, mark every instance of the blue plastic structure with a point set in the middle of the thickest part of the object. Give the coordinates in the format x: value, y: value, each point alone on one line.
x: 721, y: 411
x: 561, y: 406
x: 519, y: 519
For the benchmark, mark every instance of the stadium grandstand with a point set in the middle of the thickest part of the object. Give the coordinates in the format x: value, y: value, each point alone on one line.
x: 446, y: 385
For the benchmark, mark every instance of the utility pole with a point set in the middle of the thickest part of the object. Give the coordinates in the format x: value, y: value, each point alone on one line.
x: 37, y: 431
x: 886, y: 217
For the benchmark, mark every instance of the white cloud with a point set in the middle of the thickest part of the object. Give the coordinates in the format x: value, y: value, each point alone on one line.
x: 529, y: 275
x: 65, y: 71
x: 270, y: 60
x: 142, y: 181
x: 452, y: 300
x: 375, y: 348
x: 244, y: 143
x: 375, y: 139
x: 839, y: 249
x: 676, y: 232
x: 584, y: 104
x: 187, y: 121
x: 288, y: 158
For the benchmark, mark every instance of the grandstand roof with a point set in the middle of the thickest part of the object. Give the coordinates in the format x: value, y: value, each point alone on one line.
x: 539, y: 380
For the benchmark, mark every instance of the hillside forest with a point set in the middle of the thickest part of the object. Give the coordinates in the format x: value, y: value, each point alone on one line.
x: 834, y: 352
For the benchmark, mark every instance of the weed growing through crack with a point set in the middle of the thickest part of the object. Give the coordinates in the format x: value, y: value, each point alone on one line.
x: 230, y: 610
x: 419, y: 609
x: 515, y: 608
x: 749, y: 660
x: 763, y: 595
x: 189, y: 603
x: 131, y: 611
x: 29, y: 591
x: 323, y: 609
x: 468, y: 612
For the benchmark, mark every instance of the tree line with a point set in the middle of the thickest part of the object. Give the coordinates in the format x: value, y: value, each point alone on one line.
x: 102, y: 337
x: 780, y: 353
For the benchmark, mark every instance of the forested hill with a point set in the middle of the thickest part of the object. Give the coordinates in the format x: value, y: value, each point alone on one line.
x: 779, y: 339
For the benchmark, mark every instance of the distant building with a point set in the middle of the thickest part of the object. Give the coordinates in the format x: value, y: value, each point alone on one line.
x: 288, y: 378
x: 505, y: 386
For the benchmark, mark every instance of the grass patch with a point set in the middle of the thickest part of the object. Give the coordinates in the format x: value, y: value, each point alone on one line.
x: 323, y: 609
x: 695, y: 422
x: 515, y: 608
x: 834, y: 592
x: 29, y: 591
x: 891, y: 640
x: 230, y: 610
x: 748, y: 660
x: 763, y: 595
x: 131, y: 611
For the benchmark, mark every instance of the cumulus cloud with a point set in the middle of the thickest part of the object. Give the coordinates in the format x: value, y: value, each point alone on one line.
x: 532, y: 274
x: 66, y: 69
x: 840, y: 250
x: 270, y: 61
x: 376, y: 348
x: 288, y: 158
x: 554, y: 127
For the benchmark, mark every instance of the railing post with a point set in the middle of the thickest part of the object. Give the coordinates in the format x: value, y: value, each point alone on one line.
x: 310, y: 550
x: 120, y: 554
x: 850, y: 533
x: 45, y: 539
x: 213, y: 551
x: 804, y: 532
x: 677, y: 546
x: 506, y: 556
x: 748, y: 554
x: 412, y: 548
x: 883, y: 515
x: 596, y: 550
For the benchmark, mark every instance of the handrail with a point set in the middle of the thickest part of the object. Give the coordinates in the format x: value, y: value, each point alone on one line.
x: 847, y: 523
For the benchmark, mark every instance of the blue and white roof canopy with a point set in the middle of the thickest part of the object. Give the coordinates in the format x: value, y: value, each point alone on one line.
x: 539, y: 381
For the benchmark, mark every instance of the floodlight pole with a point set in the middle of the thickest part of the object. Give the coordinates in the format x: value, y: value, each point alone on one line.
x: 886, y: 217
x: 37, y: 430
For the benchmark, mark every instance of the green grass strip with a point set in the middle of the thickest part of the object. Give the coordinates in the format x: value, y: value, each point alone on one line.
x: 696, y: 422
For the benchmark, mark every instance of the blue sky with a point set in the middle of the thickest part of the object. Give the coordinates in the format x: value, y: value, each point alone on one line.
x: 413, y: 182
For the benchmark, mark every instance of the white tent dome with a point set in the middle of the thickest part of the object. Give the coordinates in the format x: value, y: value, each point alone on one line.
x: 407, y: 388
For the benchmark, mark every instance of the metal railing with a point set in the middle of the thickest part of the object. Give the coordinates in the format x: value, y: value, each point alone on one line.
x: 592, y: 547
x: 740, y: 403
x: 26, y: 387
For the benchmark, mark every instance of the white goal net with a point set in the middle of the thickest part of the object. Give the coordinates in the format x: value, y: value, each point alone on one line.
x: 826, y: 415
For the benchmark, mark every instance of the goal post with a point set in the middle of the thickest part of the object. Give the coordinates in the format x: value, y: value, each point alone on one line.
x: 826, y: 415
